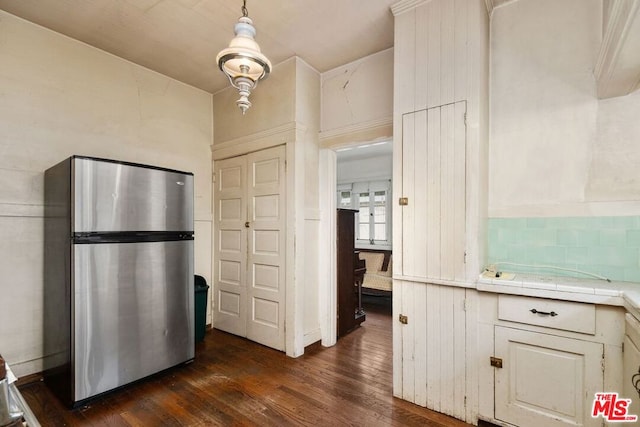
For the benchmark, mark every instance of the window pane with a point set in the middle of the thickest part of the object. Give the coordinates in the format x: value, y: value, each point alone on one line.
x: 380, y: 197
x: 345, y: 199
x: 379, y: 212
x: 363, y: 215
x: 364, y: 232
x: 381, y: 232
x: 364, y: 198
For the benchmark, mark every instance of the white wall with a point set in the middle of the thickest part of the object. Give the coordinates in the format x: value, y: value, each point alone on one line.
x: 556, y: 150
x: 60, y: 97
x: 358, y: 92
x: 273, y: 104
x: 357, y: 100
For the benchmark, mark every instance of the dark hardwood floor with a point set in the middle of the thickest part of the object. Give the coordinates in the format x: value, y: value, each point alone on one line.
x: 236, y: 382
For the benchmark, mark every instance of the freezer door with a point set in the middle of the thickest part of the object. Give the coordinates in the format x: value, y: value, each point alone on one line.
x: 133, y: 312
x: 110, y: 196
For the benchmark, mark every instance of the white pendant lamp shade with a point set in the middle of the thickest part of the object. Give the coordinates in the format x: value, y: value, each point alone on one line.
x: 242, y: 61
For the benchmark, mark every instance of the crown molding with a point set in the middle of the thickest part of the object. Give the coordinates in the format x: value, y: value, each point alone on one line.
x: 406, y: 5
x: 257, y: 141
x: 357, y: 127
x: 608, y: 72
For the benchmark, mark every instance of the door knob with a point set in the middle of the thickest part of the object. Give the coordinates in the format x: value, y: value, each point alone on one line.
x: 246, y: 224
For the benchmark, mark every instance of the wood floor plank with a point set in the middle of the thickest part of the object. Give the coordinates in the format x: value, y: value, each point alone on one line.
x: 237, y: 382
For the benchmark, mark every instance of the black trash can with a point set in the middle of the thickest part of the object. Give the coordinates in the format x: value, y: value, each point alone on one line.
x: 201, y: 290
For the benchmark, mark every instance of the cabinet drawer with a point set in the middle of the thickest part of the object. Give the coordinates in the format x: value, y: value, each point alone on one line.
x: 564, y: 315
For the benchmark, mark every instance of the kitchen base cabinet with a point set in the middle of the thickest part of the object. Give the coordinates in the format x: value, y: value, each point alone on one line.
x: 546, y: 380
x: 631, y: 364
x: 542, y: 360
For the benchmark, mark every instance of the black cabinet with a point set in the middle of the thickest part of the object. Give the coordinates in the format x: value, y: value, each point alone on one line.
x: 350, y: 272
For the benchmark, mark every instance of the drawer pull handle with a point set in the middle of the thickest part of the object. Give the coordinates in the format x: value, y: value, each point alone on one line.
x: 544, y: 313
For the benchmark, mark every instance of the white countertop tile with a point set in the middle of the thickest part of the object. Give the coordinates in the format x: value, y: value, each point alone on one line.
x: 566, y: 288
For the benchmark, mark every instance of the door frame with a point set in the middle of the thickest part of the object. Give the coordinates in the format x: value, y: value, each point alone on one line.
x: 327, y: 286
x: 289, y: 134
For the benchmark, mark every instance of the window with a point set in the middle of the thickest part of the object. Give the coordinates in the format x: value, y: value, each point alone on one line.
x: 373, y: 221
x: 344, y: 199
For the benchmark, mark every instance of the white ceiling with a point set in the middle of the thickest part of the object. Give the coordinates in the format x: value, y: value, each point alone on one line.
x: 365, y: 151
x: 180, y: 38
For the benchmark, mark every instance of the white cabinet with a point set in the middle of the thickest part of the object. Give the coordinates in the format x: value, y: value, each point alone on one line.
x: 440, y: 139
x: 544, y: 359
x: 434, y: 184
x: 631, y: 364
x: 545, y: 379
x: 432, y: 347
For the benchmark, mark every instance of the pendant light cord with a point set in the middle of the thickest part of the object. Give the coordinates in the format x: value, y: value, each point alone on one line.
x: 245, y: 13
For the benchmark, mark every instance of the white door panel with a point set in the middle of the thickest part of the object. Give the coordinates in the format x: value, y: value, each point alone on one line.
x: 250, y: 244
x: 230, y: 247
x: 266, y: 254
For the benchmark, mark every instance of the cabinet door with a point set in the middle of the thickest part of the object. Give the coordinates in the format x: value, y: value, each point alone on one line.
x: 434, y: 182
x: 546, y: 380
x: 631, y: 364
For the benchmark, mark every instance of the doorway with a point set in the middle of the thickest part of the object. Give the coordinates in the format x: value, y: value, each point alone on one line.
x: 363, y: 174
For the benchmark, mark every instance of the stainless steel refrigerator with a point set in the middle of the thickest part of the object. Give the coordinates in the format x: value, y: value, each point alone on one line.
x: 119, y: 291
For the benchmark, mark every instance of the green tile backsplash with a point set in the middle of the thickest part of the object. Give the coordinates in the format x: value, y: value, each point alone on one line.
x: 607, y: 246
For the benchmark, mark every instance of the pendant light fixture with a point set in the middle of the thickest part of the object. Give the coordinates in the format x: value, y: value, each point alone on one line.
x: 242, y: 61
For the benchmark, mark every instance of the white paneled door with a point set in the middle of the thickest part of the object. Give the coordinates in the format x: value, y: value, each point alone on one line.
x: 250, y: 246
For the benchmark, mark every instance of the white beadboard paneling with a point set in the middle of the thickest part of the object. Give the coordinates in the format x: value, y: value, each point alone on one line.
x: 417, y: 246
x: 433, y: 371
x: 461, y: 60
x: 439, y: 76
x: 409, y: 340
x: 447, y: 51
x: 422, y: 75
x: 405, y: 62
x: 398, y: 293
x: 434, y: 361
x: 407, y: 259
x: 459, y: 235
x: 434, y: 181
x: 434, y: 189
x: 431, y: 55
x: 447, y: 207
x: 447, y: 351
x: 460, y: 354
x: 421, y: 339
x: 434, y: 53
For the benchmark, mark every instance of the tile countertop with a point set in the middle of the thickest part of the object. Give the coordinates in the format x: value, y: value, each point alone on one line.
x: 625, y: 294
